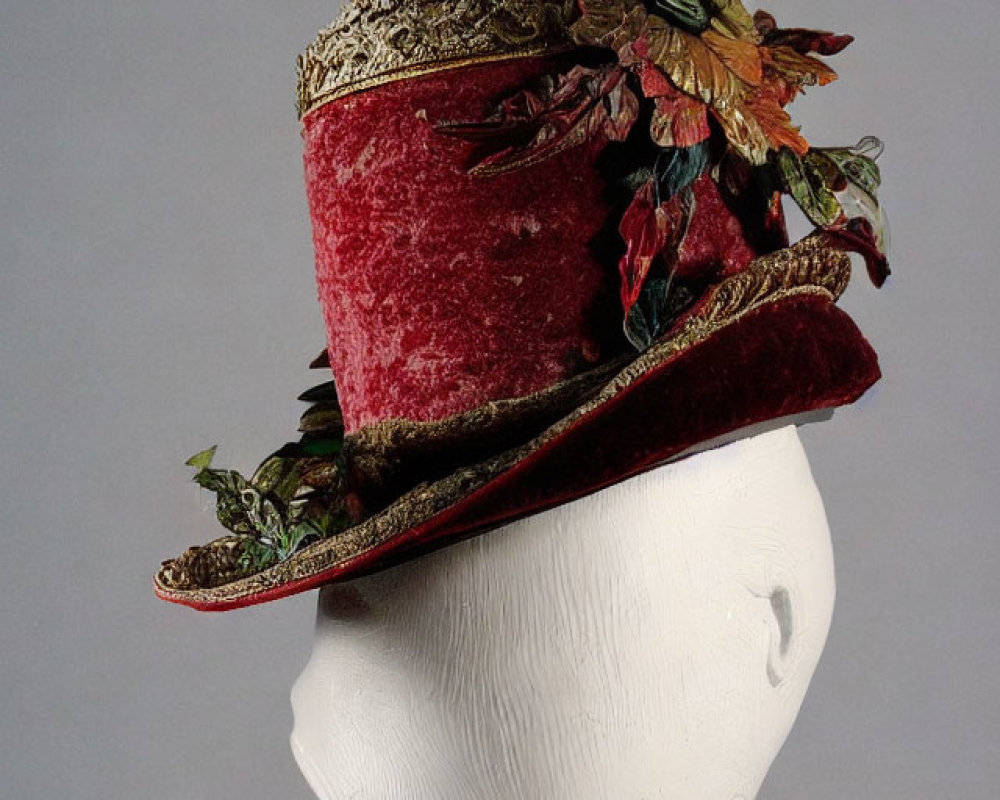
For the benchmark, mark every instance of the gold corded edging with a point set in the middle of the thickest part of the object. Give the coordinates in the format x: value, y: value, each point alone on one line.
x: 380, y: 41
x: 807, y: 268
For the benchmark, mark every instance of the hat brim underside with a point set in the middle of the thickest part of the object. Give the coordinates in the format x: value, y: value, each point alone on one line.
x: 766, y: 344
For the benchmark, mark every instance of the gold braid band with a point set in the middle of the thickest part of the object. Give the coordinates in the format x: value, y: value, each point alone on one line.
x: 379, y: 41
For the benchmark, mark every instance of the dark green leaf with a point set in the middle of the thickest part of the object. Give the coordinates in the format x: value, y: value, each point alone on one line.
x: 257, y: 557
x: 296, y: 496
x: 644, y: 320
x: 280, y: 474
x: 294, y: 538
x: 323, y: 418
x: 633, y: 180
x: 658, y: 307
x: 688, y: 14
x: 324, y: 393
x: 323, y: 447
x: 678, y: 168
x: 220, y: 481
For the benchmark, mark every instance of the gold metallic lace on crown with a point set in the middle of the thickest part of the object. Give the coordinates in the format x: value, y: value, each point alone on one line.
x: 379, y: 41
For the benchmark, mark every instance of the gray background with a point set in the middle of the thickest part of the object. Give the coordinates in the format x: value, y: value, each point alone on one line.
x: 157, y: 296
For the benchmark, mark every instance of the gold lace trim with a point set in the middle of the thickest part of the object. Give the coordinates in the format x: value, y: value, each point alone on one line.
x: 379, y: 41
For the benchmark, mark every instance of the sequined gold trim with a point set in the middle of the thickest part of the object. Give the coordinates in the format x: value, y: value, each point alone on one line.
x: 807, y: 268
x: 379, y: 41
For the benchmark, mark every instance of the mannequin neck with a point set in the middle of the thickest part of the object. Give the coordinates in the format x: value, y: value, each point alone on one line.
x: 653, y: 640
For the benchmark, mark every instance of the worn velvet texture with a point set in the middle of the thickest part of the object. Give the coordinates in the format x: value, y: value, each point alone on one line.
x: 442, y: 291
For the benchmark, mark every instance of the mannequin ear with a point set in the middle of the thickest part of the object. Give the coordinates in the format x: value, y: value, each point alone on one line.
x: 784, y: 626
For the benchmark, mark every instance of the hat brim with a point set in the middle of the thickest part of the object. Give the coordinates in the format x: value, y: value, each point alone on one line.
x: 767, y: 344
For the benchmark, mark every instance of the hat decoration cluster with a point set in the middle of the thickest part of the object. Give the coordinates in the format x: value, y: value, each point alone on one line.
x: 696, y: 91
x: 297, y: 496
x: 711, y: 82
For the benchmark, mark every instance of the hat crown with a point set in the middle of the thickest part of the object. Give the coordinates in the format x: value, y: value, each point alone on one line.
x: 378, y: 41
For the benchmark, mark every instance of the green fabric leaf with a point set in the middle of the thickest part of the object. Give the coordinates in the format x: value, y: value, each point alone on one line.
x: 221, y: 481
x: 323, y: 393
x: 278, y: 474
x: 230, y: 507
x: 325, y: 418
x: 838, y: 188
x: 810, y: 185
x: 679, y: 167
x: 294, y: 538
x: 632, y: 181
x: 658, y: 307
x: 857, y: 164
x: 257, y: 557
x: 644, y: 321
x: 296, y: 496
x: 202, y: 460
x: 689, y: 14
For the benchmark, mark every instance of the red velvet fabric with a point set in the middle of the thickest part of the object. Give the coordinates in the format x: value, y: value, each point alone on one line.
x: 441, y: 291
x: 716, y: 242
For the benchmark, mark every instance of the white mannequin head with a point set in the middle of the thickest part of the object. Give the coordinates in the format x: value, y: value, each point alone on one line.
x: 653, y: 640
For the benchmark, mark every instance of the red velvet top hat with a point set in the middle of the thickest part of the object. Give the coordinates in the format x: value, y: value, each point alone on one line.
x: 551, y: 254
